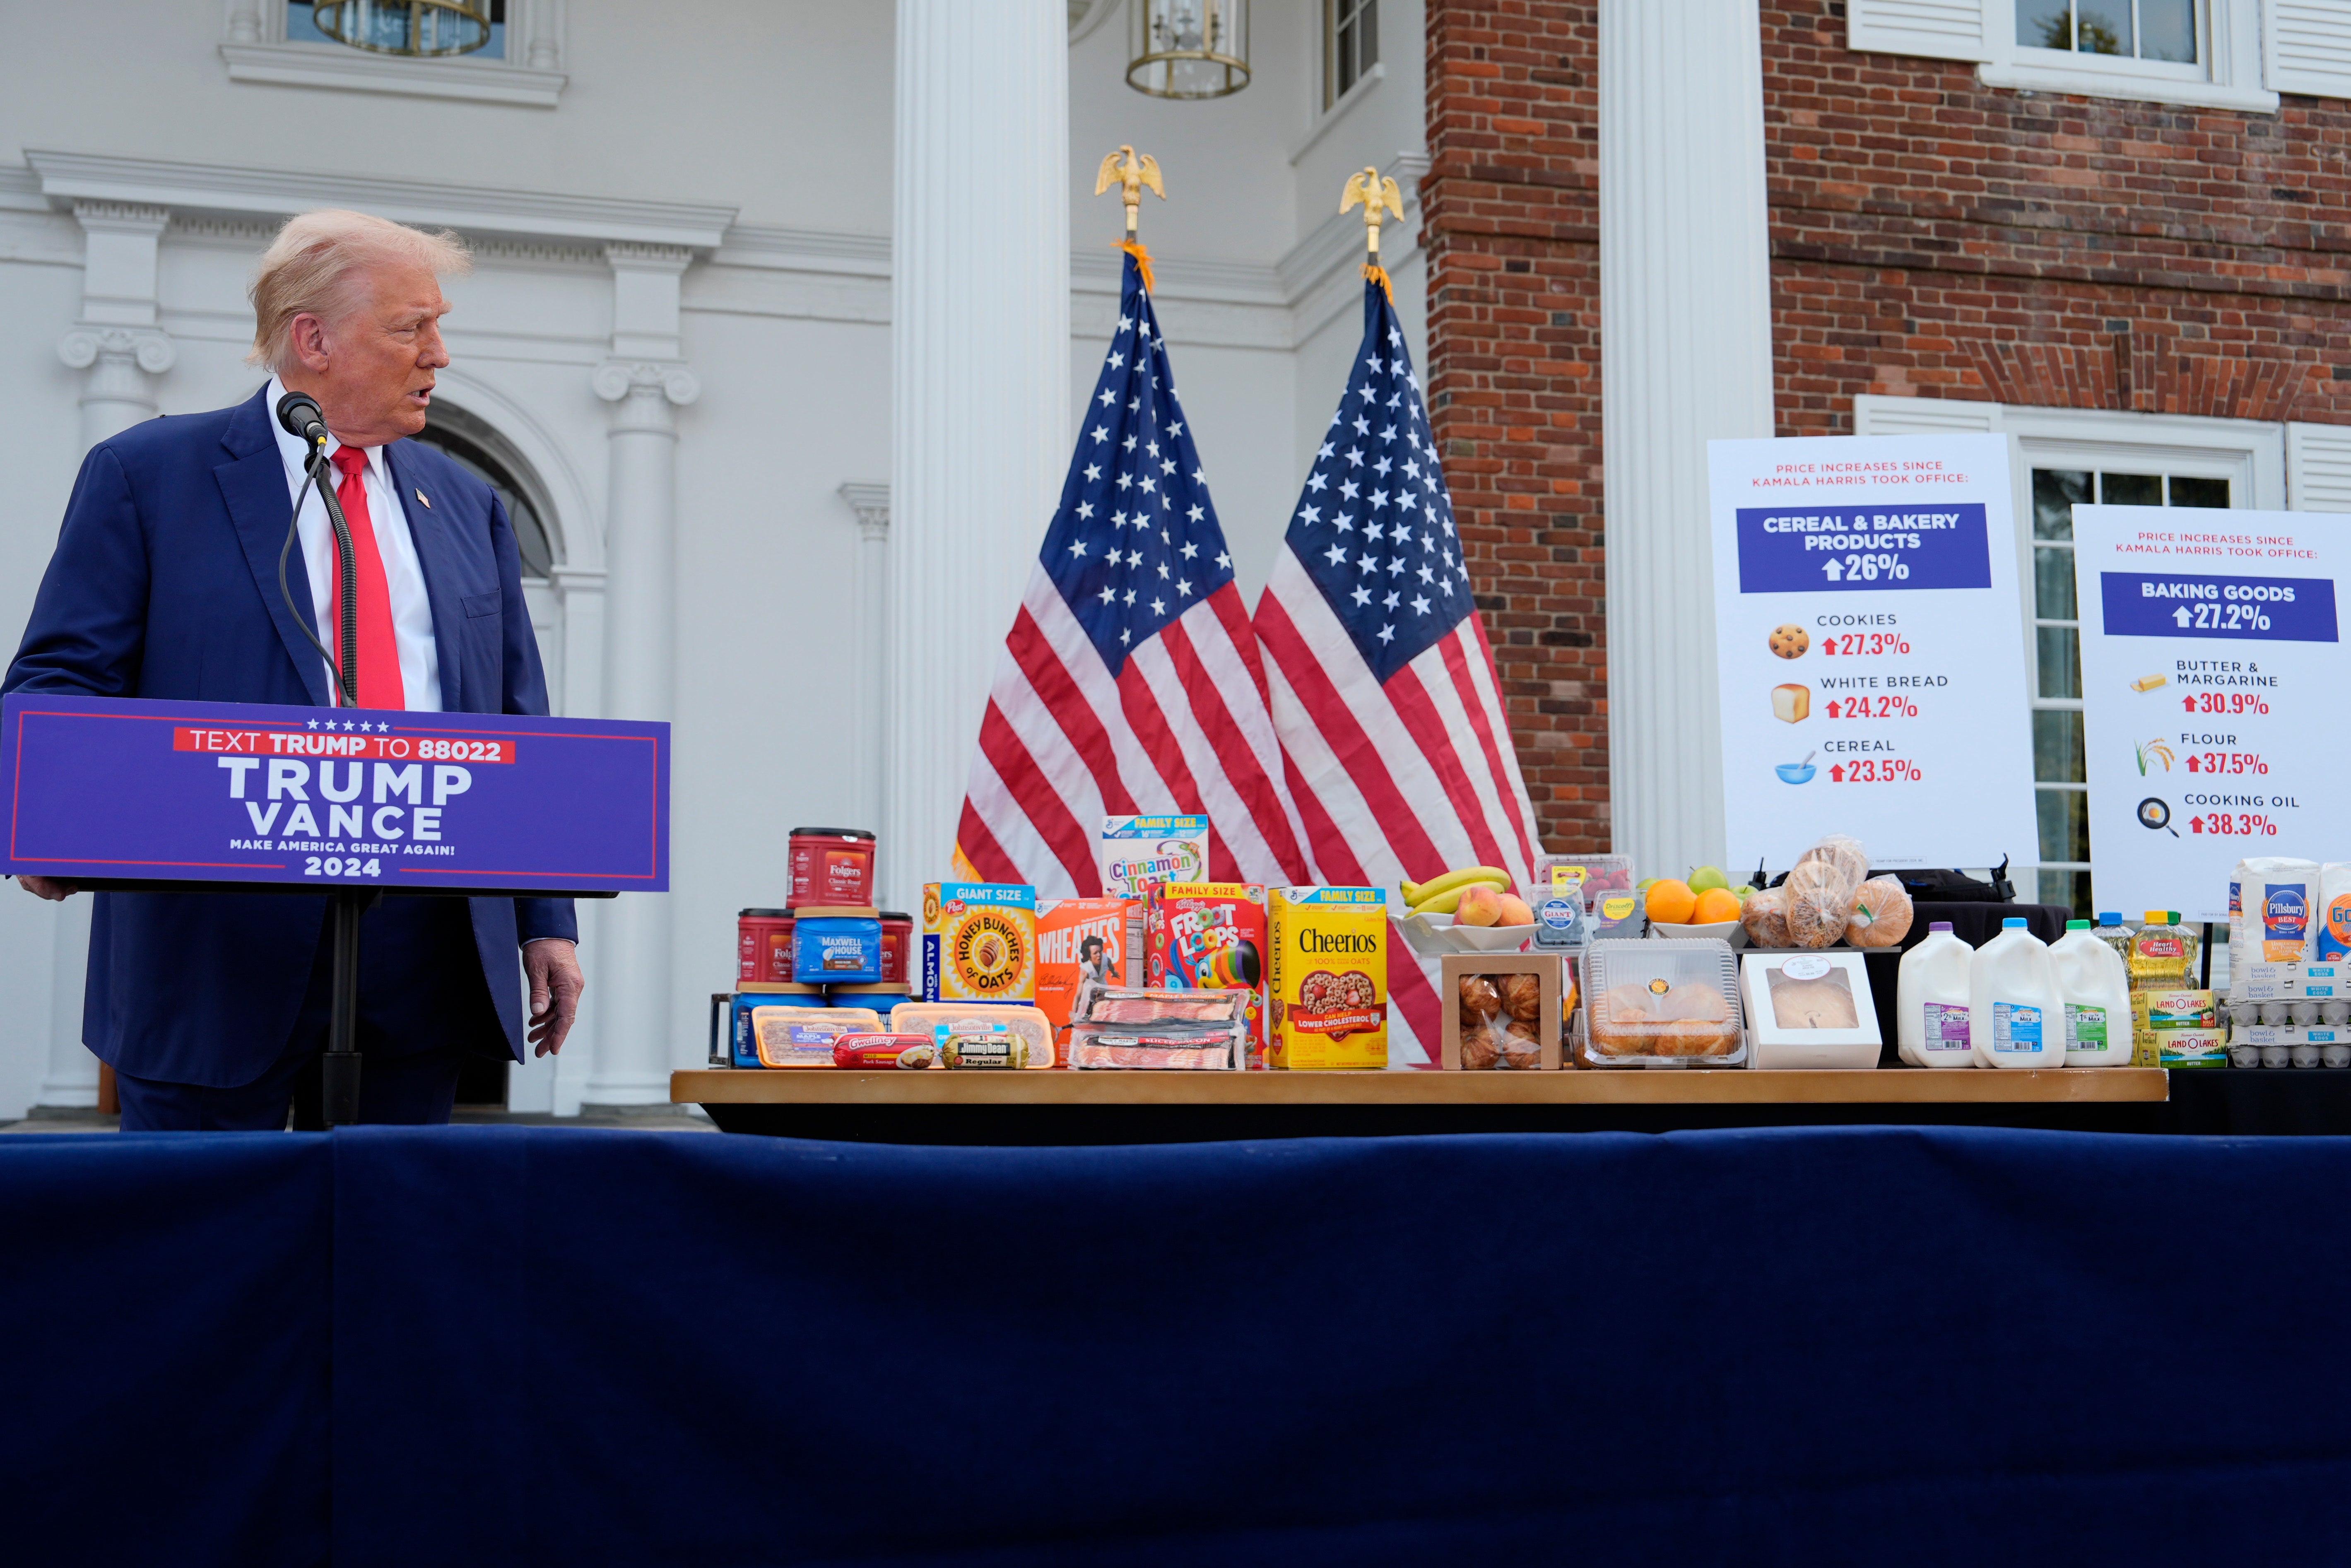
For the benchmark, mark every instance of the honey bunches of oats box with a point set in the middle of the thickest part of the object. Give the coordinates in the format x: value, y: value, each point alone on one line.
x: 1329, y: 1002
x: 979, y: 941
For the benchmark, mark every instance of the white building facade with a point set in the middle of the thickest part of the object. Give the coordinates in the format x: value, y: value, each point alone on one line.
x: 779, y: 322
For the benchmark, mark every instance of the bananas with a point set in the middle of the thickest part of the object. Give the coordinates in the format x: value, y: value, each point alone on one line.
x: 1440, y: 896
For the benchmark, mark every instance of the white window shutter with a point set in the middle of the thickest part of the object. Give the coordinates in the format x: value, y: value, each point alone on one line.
x: 1874, y: 414
x: 2307, y: 46
x: 1941, y: 29
x: 2318, y: 467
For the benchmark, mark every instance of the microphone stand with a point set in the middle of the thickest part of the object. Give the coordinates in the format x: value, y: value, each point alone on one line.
x: 339, y: 1069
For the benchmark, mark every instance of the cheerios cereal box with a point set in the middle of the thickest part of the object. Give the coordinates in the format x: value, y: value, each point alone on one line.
x: 1327, y: 1006
x: 979, y: 941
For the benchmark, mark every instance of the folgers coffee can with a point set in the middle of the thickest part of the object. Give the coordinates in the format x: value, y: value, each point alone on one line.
x: 897, y: 942
x: 832, y: 866
x: 763, y: 947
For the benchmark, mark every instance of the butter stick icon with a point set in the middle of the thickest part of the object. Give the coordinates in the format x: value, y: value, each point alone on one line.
x: 1791, y: 704
x: 2147, y: 683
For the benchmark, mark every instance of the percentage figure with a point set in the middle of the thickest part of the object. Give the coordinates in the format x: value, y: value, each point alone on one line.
x: 2238, y: 825
x: 1866, y: 644
x: 2225, y: 702
x: 1874, y: 770
x: 2232, y: 762
x: 2221, y: 617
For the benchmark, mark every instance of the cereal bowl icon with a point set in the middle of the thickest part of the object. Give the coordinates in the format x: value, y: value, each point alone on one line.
x: 1789, y: 640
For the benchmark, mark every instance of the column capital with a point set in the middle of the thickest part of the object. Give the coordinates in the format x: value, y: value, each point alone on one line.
x: 122, y: 217
x: 872, y: 505
x: 616, y: 379
x: 151, y: 347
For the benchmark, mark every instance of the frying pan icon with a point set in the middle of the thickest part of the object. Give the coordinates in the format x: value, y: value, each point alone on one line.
x: 2154, y: 813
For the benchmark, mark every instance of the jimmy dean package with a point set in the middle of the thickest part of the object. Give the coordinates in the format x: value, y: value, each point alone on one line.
x: 1210, y: 936
x: 1328, y: 1003
x: 1081, y: 939
x: 979, y: 941
x: 1138, y: 853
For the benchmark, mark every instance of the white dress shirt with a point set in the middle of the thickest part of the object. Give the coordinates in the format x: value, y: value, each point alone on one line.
x: 412, y: 608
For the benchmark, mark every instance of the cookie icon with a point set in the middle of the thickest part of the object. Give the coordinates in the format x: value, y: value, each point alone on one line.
x: 1789, y: 642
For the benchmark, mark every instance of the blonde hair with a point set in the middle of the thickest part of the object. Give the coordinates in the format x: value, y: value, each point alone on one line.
x: 315, y: 266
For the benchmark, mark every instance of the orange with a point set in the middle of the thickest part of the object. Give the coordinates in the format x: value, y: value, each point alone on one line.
x: 1671, y: 902
x: 1714, y: 905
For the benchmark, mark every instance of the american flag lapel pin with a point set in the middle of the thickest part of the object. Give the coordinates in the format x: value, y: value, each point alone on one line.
x: 428, y: 505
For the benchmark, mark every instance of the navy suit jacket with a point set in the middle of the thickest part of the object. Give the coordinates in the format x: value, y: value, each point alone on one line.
x: 164, y: 585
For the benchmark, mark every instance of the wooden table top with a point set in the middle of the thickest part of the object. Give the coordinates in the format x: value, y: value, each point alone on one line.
x: 823, y: 1086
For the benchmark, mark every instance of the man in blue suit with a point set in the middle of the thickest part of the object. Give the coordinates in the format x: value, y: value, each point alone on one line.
x: 213, y: 1008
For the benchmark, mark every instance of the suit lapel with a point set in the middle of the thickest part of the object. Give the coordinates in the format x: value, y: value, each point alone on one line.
x: 432, y: 559
x: 253, y: 483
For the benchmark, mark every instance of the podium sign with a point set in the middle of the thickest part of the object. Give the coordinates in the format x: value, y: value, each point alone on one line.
x: 102, y: 790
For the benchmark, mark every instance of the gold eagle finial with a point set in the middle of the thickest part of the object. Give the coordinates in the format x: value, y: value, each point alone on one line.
x: 1132, y: 176
x: 1375, y: 192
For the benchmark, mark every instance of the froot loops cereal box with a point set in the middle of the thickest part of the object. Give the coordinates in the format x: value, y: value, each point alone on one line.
x: 979, y: 941
x: 1210, y: 936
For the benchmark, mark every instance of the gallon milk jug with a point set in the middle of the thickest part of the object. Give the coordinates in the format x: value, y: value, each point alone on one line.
x: 2094, y: 984
x: 1930, y: 1001
x: 2015, y: 1016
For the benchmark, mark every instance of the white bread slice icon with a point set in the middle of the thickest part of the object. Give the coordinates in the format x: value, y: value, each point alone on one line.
x: 1791, y: 704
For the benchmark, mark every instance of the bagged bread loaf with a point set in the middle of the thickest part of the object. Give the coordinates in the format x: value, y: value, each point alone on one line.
x: 1765, y: 915
x: 1881, y: 915
x: 1820, y: 902
x: 1846, y: 854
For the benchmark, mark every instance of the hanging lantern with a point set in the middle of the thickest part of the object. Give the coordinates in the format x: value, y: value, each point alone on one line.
x: 406, y: 27
x: 1188, y: 48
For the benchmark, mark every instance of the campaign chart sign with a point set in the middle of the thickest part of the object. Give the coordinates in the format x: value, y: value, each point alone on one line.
x: 1869, y: 648
x: 136, y: 790
x: 2213, y: 673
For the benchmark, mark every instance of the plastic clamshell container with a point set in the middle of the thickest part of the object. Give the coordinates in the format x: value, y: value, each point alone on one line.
x: 1661, y: 1002
x: 743, y: 1045
x: 1029, y: 1023
x: 790, y: 1036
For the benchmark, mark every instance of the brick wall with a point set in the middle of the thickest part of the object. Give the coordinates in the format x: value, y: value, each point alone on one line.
x: 1511, y: 223
x: 1933, y: 237
x: 1930, y: 237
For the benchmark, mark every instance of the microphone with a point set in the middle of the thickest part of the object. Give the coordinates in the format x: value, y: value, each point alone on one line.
x: 298, y: 412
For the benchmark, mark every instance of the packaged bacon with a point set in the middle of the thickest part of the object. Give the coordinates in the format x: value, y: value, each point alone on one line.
x: 1133, y: 1026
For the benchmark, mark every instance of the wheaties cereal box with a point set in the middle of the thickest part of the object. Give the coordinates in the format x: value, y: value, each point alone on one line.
x: 1329, y: 1003
x: 1210, y: 936
x: 979, y: 941
x: 1080, y: 940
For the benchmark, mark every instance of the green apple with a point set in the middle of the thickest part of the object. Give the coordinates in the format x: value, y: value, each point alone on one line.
x: 1706, y: 877
x: 1745, y: 890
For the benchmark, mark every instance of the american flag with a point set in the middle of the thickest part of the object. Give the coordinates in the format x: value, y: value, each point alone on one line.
x: 1395, y: 745
x: 1131, y: 681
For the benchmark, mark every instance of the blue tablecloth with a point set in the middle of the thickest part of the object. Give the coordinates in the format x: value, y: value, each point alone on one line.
x: 1805, y: 1346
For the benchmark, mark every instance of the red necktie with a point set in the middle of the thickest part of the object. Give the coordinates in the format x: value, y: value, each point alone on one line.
x: 379, y: 651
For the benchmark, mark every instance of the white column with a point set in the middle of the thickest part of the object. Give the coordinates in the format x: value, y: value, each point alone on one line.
x: 121, y: 350
x: 870, y: 613
x: 980, y: 383
x: 1686, y: 358
x: 645, y: 380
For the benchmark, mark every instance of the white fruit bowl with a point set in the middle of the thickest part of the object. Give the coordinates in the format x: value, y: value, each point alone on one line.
x: 1434, y: 936
x: 1730, y: 931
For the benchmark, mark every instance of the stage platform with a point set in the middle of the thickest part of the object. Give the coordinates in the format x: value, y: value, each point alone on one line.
x: 1918, y: 1346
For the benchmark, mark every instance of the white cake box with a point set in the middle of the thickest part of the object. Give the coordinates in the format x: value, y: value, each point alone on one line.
x: 1809, y: 1010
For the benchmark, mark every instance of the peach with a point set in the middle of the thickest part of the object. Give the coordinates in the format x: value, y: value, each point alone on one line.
x: 1482, y: 905
x: 1514, y: 912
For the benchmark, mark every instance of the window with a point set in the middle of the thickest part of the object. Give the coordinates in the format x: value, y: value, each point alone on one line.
x: 2060, y: 791
x: 1350, y: 45
x: 301, y: 28
x: 2134, y: 29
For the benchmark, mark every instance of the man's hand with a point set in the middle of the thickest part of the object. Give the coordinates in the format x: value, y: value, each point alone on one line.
x: 47, y: 887
x: 556, y: 982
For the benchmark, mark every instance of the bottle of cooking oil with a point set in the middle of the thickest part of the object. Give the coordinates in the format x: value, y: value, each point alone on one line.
x: 2162, y: 954
x: 2110, y: 931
